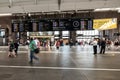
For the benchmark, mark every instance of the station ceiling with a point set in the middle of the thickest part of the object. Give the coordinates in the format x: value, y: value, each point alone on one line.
x: 25, y: 6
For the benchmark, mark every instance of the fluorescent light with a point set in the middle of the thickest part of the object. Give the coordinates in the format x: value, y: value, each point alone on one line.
x: 119, y: 11
x: 6, y: 14
x: 107, y: 9
x: 118, y: 8
x: 102, y: 9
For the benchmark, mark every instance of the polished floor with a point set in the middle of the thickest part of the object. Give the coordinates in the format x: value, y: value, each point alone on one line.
x: 76, y: 63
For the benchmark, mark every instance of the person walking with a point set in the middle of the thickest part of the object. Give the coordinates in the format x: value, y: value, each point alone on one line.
x: 32, y: 47
x: 16, y: 47
x: 57, y: 44
x: 71, y: 43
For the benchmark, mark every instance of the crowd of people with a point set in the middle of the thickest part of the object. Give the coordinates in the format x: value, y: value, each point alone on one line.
x: 32, y: 45
x: 101, y: 43
x: 105, y: 44
x: 13, y: 48
x: 36, y: 44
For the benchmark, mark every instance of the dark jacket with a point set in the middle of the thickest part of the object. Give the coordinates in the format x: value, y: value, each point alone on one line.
x: 16, y: 45
x: 103, y: 43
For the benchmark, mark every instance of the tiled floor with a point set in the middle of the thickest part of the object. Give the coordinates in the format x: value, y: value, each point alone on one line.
x: 76, y: 63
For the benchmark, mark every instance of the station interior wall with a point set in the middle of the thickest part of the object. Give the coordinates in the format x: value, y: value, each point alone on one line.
x: 5, y: 22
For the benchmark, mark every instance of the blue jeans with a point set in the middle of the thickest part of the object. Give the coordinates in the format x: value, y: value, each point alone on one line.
x: 32, y: 56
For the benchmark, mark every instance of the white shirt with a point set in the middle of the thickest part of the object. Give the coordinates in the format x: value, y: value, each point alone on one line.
x: 94, y: 43
x: 37, y: 42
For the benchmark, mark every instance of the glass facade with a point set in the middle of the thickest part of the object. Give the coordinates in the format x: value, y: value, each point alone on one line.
x: 2, y: 32
x: 65, y: 34
x: 86, y: 35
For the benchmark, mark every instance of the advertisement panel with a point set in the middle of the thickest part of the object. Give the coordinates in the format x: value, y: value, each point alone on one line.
x: 105, y: 24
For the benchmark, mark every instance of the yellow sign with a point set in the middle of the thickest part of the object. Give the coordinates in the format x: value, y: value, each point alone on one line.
x: 105, y: 24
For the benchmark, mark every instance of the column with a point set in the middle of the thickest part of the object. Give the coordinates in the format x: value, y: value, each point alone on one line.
x: 60, y: 34
x: 73, y: 36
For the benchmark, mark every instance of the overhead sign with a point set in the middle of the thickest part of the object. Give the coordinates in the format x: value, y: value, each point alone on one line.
x: 105, y: 24
x: 65, y: 24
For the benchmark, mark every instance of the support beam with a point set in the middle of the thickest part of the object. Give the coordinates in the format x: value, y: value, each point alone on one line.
x: 35, y: 2
x: 59, y: 4
x: 11, y: 3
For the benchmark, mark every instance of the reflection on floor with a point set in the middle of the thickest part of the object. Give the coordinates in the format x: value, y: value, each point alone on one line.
x: 76, y: 63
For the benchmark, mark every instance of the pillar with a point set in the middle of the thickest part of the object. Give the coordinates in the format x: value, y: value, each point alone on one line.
x: 73, y: 36
x: 60, y: 34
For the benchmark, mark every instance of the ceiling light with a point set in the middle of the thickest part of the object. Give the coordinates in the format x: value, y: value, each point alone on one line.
x: 119, y: 11
x: 102, y: 9
x: 107, y: 9
x: 6, y: 14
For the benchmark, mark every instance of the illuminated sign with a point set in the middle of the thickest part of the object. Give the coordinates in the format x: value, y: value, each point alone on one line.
x: 105, y: 24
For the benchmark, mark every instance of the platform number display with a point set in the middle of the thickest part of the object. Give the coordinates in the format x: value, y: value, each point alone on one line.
x: 65, y: 24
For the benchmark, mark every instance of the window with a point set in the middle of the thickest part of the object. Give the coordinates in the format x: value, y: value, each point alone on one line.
x: 2, y: 32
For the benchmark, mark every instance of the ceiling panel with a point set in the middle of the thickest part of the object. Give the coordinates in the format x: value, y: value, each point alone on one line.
x: 90, y: 5
x: 52, y: 5
x: 4, y: 1
x: 41, y: 8
x: 47, y: 1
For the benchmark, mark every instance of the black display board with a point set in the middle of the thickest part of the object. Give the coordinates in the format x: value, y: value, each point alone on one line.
x: 45, y: 25
x: 76, y: 24
x: 21, y: 27
x: 90, y: 24
x: 67, y: 24
x: 55, y: 24
x: 52, y: 25
x: 86, y: 24
x: 15, y: 26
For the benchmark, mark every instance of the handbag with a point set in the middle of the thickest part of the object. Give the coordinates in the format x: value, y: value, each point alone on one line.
x: 36, y: 50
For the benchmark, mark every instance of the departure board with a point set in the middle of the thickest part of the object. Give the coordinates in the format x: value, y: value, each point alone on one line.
x: 40, y: 26
x: 21, y: 27
x: 45, y: 25
x: 64, y: 24
x: 90, y: 24
x: 86, y: 24
x: 55, y: 24
x: 15, y: 27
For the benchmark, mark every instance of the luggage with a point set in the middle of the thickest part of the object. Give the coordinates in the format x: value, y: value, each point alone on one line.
x: 37, y: 50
